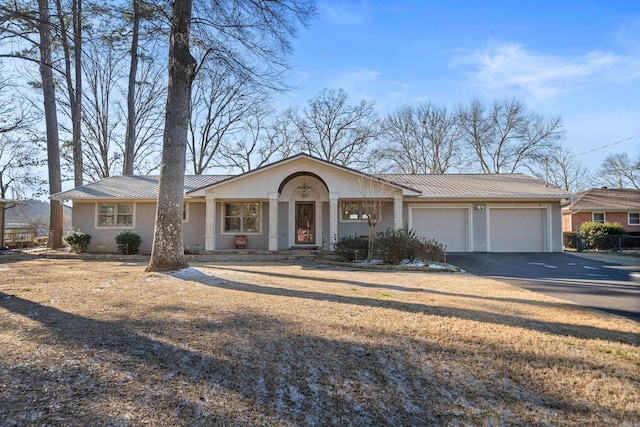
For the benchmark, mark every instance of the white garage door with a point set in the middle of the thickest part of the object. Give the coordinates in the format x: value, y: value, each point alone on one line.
x: 517, y: 230
x: 447, y: 225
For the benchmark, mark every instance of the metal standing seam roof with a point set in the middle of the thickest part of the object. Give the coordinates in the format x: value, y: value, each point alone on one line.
x: 431, y: 186
x: 132, y: 187
x: 479, y: 185
x: 607, y: 198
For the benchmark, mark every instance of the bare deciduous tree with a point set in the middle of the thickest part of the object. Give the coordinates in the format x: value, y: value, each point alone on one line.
x: 420, y: 140
x: 564, y: 170
x: 376, y: 196
x: 19, y: 155
x: 506, y: 137
x: 15, y: 115
x: 261, y: 143
x: 148, y: 116
x: 18, y: 158
x: 619, y: 171
x: 332, y: 129
x: 220, y: 106
x: 102, y: 66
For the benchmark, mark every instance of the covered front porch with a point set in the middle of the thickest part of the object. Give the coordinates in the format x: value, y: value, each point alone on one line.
x: 301, y: 210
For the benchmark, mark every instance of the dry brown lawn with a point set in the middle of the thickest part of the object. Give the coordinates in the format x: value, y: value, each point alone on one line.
x: 103, y: 343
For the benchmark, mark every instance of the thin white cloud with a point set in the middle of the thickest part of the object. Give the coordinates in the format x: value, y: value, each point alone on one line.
x: 352, y: 14
x: 508, y: 67
x: 354, y: 79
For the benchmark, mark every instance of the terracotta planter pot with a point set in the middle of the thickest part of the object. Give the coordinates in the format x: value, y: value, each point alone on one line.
x: 240, y: 241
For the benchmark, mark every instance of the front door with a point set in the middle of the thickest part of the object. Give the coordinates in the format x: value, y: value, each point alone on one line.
x: 305, y: 224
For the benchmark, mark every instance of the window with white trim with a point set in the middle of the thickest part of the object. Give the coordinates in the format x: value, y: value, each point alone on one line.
x: 598, y: 217
x: 634, y: 218
x: 355, y: 211
x: 115, y: 215
x: 242, y: 217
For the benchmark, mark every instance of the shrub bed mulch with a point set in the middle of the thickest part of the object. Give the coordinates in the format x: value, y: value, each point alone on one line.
x: 104, y: 343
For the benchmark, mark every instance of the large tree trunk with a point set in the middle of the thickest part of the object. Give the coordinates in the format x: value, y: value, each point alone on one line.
x: 130, y: 141
x: 74, y: 90
x: 51, y: 120
x: 76, y: 113
x: 168, y: 249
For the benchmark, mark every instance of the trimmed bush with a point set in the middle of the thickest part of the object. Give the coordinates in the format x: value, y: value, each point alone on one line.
x: 431, y: 250
x: 602, y: 235
x: 78, y: 241
x: 352, y: 247
x: 393, y: 246
x: 128, y: 242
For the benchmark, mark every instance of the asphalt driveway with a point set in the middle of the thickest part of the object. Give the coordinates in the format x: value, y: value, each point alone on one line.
x: 612, y: 285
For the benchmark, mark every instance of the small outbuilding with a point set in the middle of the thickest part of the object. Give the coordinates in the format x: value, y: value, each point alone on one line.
x: 5, y: 204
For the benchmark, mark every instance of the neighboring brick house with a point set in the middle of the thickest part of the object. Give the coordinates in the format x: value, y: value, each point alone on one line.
x: 603, y: 205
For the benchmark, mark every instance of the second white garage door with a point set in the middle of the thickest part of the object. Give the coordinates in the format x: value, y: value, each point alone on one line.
x: 517, y: 230
x: 448, y: 226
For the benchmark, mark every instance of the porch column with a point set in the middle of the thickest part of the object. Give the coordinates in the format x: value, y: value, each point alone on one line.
x: 397, y: 211
x: 210, y: 221
x: 273, y: 221
x: 333, y: 219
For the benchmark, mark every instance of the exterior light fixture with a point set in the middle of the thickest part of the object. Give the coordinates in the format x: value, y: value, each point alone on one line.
x: 304, y: 190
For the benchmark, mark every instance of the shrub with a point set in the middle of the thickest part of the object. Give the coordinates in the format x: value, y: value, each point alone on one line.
x: 128, y: 242
x: 351, y: 247
x: 569, y: 239
x: 393, y: 246
x: 431, y: 250
x: 41, y: 240
x: 78, y: 241
x: 601, y: 235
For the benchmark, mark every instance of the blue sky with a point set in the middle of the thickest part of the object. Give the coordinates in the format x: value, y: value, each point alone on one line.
x: 579, y: 60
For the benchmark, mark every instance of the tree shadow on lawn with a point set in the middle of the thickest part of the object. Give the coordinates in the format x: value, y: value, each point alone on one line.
x: 432, y: 275
x: 576, y: 331
x: 277, y: 374
x: 116, y: 347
